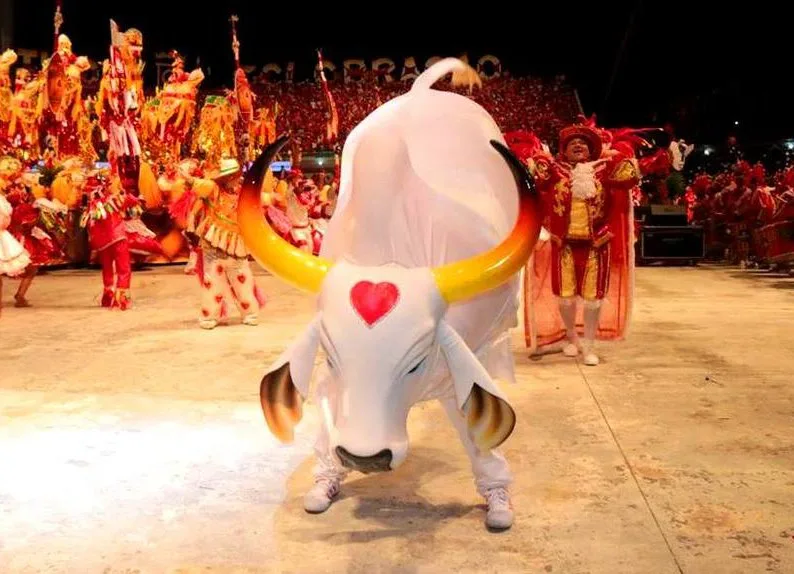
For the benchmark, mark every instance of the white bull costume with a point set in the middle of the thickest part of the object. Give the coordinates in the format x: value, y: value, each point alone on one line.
x: 418, y: 284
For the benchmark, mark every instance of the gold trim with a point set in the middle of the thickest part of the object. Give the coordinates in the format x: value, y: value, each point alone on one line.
x: 590, y: 281
x: 579, y: 220
x: 560, y: 191
x: 604, y: 239
x: 624, y: 171
x: 567, y: 273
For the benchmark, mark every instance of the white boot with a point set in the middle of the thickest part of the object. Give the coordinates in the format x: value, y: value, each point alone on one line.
x: 500, y: 509
x: 321, y: 495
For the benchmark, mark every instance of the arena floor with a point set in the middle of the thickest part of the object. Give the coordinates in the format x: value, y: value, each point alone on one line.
x: 133, y: 442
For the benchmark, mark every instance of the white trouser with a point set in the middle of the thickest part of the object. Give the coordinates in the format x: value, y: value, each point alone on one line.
x: 227, y: 280
x: 490, y: 469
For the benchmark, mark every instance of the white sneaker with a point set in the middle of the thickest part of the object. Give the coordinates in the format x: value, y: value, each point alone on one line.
x: 500, y: 510
x: 208, y: 324
x: 321, y: 495
x: 590, y: 358
x: 251, y: 320
x: 571, y: 349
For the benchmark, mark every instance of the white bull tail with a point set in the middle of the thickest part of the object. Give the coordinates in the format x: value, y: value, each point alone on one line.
x: 462, y: 74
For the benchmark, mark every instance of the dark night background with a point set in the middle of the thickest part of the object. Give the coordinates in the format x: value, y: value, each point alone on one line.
x: 699, y: 65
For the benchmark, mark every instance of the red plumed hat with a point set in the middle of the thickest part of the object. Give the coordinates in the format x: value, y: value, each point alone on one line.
x: 587, y: 133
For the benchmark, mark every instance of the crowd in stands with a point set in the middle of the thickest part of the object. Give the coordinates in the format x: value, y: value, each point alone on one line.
x: 540, y: 105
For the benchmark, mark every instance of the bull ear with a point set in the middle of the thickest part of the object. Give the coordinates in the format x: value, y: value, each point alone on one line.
x: 489, y: 416
x: 286, y: 384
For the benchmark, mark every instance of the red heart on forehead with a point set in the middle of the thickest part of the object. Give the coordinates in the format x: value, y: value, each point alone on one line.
x: 373, y: 301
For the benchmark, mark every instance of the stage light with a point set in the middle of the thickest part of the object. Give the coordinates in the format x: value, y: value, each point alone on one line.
x: 736, y: 123
x: 707, y: 151
x: 790, y: 145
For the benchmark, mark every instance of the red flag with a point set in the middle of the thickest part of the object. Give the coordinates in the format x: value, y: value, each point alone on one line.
x: 332, y: 127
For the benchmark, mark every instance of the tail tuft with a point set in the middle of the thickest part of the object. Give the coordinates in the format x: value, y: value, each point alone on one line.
x: 462, y: 74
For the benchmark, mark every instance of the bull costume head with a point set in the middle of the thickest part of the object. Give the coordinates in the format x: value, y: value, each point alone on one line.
x: 384, y: 328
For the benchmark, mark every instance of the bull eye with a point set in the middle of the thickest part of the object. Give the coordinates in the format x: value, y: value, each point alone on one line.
x: 416, y: 366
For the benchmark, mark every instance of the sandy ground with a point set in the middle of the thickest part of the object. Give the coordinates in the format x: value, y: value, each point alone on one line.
x: 132, y: 442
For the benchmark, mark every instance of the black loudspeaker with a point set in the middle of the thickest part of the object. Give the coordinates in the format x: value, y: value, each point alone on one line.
x: 667, y: 216
x: 668, y: 243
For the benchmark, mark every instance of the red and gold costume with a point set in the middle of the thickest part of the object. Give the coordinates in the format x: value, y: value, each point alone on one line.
x: 22, y: 130
x: 109, y: 218
x: 168, y: 118
x: 118, y: 104
x: 209, y: 209
x: 214, y: 137
x: 587, y: 211
x: 27, y: 227
x: 61, y: 113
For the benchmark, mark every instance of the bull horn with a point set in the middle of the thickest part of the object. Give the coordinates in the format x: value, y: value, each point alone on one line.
x: 292, y: 265
x: 470, y: 277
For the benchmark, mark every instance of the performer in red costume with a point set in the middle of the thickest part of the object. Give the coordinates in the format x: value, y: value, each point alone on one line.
x: 588, y: 250
x: 37, y: 243
x: 109, y: 237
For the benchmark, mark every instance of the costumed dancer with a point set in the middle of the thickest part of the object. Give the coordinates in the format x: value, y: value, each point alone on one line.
x: 375, y: 289
x: 176, y: 183
x: 37, y: 243
x: 14, y: 259
x: 297, y: 210
x: 31, y: 214
x: 166, y: 120
x: 62, y: 115
x: 589, y: 255
x: 209, y: 208
x: 108, y: 206
x: 118, y: 107
x: 243, y: 99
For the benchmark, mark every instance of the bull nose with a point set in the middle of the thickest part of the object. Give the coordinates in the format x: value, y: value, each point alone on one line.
x: 379, y: 462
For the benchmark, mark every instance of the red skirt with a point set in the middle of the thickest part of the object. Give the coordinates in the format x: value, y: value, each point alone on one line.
x: 42, y: 248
